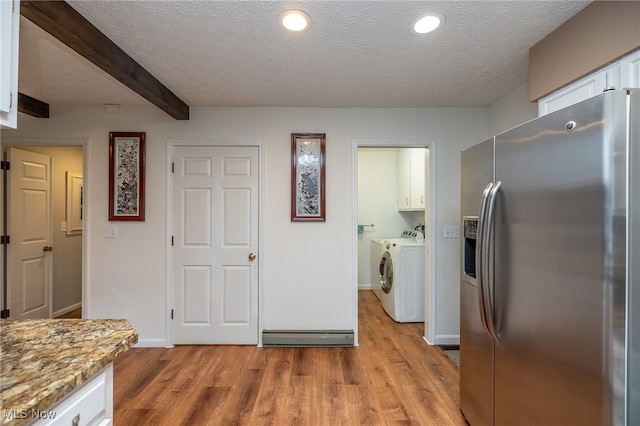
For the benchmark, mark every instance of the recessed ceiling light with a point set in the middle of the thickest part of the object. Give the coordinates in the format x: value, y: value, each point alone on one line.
x: 295, y: 20
x: 428, y: 22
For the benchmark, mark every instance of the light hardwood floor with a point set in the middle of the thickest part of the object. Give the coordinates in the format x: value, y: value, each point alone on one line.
x: 392, y: 378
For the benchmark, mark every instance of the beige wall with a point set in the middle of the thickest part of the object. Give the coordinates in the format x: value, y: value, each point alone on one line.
x: 599, y: 34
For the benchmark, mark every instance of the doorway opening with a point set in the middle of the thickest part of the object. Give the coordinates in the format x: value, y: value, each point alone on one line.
x: 381, y: 182
x: 54, y: 284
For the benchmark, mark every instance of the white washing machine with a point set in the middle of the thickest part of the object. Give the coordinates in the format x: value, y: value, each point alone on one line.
x: 401, y: 270
x: 377, y: 249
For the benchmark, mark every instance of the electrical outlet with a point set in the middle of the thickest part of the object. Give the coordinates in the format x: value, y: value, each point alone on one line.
x: 451, y: 232
x: 110, y: 231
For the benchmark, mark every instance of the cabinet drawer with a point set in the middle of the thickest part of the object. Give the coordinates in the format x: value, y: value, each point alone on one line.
x: 87, y: 405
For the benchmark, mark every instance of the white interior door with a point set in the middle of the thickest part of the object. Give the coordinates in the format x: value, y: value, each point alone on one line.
x: 30, y: 230
x: 215, y: 241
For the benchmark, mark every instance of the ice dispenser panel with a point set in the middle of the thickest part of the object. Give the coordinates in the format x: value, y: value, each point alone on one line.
x: 470, y: 226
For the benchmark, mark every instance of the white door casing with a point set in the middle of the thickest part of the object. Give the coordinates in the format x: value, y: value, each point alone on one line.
x: 30, y: 229
x: 215, y: 245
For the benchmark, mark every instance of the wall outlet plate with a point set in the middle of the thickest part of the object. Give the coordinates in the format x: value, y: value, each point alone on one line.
x: 451, y: 232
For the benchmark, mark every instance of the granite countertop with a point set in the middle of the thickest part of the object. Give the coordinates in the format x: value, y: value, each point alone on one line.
x: 42, y: 361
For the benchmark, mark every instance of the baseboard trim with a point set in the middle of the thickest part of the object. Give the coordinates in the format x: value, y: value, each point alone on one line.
x: 67, y: 309
x: 151, y: 343
x: 444, y: 340
x: 448, y: 339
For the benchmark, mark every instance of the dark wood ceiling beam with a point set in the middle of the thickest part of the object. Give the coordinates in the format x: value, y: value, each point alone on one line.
x: 63, y: 22
x: 32, y: 106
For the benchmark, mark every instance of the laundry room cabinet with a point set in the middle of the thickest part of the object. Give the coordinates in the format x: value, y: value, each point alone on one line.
x: 411, y: 179
x: 9, y: 28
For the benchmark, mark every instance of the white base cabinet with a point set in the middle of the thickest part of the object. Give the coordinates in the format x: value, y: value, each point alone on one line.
x: 91, y: 404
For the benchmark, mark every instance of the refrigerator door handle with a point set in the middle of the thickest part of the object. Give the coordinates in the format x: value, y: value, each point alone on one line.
x: 480, y: 257
x: 488, y: 281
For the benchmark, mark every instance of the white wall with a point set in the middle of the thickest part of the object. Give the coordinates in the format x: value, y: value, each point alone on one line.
x: 309, y: 268
x: 511, y: 110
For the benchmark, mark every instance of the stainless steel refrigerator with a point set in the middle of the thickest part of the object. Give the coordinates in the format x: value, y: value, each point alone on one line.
x: 550, y: 285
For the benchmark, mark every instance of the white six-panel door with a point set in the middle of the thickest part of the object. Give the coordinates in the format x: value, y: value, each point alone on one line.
x: 215, y: 242
x: 30, y: 229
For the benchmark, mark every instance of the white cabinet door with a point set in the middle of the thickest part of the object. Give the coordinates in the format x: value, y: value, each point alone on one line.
x: 411, y: 179
x: 9, y: 28
x: 90, y: 404
x: 404, y: 179
x: 417, y: 178
x: 630, y: 71
x: 572, y: 94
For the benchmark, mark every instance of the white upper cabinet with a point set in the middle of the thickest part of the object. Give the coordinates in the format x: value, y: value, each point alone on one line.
x: 622, y: 74
x: 630, y: 71
x: 417, y: 178
x: 411, y: 179
x: 404, y: 179
x: 9, y: 28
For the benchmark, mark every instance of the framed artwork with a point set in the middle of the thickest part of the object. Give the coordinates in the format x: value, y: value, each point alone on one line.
x: 74, y: 203
x: 126, y: 175
x: 308, y: 177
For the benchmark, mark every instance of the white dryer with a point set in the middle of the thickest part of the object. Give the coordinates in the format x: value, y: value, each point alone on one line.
x: 401, y: 270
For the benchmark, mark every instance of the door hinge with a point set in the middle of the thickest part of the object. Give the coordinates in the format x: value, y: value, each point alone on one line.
x: 172, y: 314
x: 172, y: 241
x: 173, y: 167
x: 5, y: 165
x: 5, y: 239
x: 10, y: 100
x: 5, y: 313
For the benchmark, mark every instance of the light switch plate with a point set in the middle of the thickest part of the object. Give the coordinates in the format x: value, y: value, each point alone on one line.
x: 110, y: 231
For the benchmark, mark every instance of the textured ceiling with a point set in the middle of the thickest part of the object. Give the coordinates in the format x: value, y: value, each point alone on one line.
x: 356, y: 54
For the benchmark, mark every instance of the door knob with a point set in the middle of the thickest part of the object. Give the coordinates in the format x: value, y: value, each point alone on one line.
x: 252, y: 256
x: 47, y: 248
